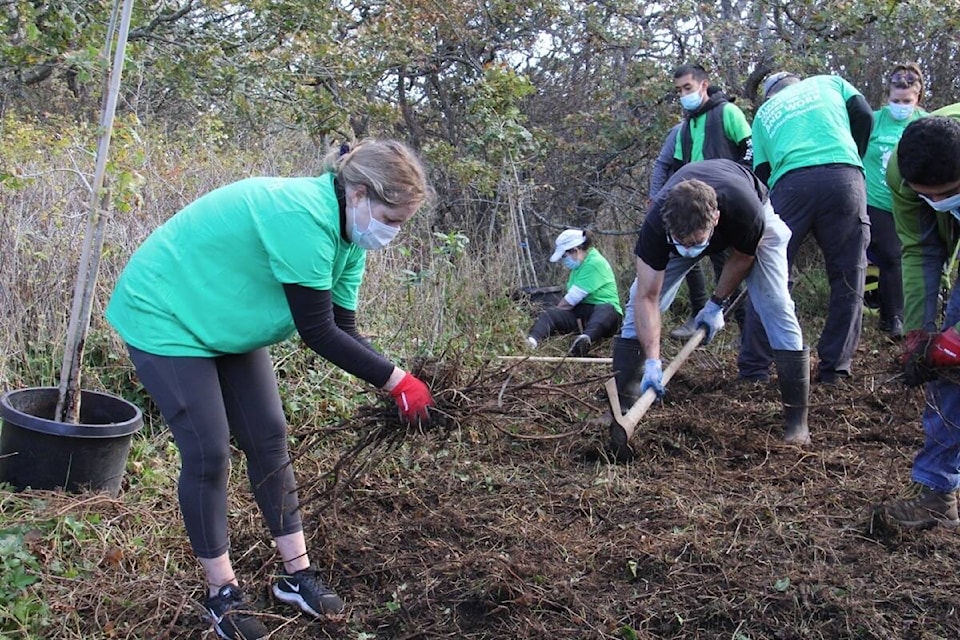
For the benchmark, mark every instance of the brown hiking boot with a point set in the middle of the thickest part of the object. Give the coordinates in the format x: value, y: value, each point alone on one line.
x: 923, y: 508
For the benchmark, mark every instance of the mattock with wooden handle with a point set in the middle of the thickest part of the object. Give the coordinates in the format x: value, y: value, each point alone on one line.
x: 628, y: 421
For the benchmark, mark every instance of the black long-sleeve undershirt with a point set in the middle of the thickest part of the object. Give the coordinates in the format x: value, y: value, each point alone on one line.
x: 861, y: 121
x: 331, y: 331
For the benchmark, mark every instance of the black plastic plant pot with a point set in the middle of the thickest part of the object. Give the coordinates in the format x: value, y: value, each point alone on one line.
x: 39, y: 452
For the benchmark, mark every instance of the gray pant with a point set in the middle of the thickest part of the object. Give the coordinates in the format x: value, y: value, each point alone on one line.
x: 831, y: 202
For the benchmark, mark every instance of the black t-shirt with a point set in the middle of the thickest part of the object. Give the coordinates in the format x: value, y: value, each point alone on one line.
x: 740, y: 198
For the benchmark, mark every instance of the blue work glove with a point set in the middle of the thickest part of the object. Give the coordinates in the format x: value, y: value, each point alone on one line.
x: 652, y: 377
x: 711, y: 318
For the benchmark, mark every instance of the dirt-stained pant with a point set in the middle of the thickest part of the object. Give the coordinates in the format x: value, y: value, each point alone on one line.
x: 203, y: 401
x: 831, y: 202
x: 937, y: 464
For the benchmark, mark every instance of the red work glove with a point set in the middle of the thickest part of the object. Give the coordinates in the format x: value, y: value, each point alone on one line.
x: 913, y: 359
x: 412, y: 398
x: 944, y: 349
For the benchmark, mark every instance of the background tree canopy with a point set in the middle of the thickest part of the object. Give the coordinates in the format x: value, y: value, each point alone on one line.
x: 533, y: 115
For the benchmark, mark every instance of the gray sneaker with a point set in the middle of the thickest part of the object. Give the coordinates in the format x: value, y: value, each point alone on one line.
x: 924, y: 508
x: 686, y: 330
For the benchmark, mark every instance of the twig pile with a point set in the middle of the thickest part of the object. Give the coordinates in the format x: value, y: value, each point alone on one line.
x: 504, y: 398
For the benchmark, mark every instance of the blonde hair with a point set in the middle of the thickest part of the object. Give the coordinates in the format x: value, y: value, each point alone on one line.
x: 389, y: 169
x: 905, y: 76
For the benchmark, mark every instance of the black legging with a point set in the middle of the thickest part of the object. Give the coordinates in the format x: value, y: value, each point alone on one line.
x: 885, y: 250
x: 204, y: 400
x: 598, y: 321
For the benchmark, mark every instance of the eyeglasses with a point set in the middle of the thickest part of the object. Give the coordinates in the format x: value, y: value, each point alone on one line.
x: 904, y: 78
x: 690, y: 245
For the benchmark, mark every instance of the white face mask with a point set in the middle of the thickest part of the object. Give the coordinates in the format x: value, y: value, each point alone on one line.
x: 693, y: 250
x: 376, y: 235
x: 951, y: 204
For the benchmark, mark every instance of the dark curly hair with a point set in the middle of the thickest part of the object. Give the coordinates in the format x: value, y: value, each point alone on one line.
x: 929, y: 151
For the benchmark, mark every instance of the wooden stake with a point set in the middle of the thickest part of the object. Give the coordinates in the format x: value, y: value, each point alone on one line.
x: 558, y: 359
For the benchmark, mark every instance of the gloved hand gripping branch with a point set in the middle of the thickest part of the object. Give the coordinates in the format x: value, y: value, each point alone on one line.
x: 652, y: 377
x: 925, y: 352
x: 413, y: 398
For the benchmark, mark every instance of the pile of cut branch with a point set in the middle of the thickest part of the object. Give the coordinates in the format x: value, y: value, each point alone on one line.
x: 524, y: 400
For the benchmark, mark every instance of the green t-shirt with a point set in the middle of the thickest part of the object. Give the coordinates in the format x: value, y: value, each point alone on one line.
x: 735, y: 128
x: 883, y: 138
x: 210, y: 280
x: 596, y: 277
x: 805, y: 125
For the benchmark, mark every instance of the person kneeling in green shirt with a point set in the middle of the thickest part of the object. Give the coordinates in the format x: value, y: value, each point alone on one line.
x: 591, y: 305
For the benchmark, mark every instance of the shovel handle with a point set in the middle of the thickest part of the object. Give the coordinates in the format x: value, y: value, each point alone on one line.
x: 629, y: 420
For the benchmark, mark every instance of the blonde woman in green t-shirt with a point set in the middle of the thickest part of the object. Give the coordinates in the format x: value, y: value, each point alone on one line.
x: 904, y: 91
x: 199, y: 303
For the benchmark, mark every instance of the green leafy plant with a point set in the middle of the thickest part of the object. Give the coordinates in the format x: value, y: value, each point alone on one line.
x: 19, y: 569
x: 628, y: 633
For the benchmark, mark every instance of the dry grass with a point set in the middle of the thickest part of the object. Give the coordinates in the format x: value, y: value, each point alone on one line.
x: 42, y: 217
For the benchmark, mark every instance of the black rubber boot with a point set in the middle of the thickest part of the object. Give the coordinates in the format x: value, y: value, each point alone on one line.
x: 793, y: 371
x: 627, y: 366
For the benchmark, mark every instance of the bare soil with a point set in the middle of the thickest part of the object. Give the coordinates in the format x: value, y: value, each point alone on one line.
x: 512, y: 522
x: 716, y: 530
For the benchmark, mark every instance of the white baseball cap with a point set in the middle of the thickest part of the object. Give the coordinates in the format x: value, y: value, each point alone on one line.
x: 569, y: 239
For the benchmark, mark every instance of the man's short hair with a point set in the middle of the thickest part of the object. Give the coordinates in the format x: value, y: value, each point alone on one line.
x: 929, y: 151
x: 698, y: 72
x: 777, y: 81
x: 689, y: 208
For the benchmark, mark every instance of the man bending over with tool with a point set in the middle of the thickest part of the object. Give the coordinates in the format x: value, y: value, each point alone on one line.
x: 924, y: 178
x: 707, y: 207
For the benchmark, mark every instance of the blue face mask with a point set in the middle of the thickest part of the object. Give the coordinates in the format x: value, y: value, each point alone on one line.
x: 691, y: 101
x: 900, y: 111
x: 570, y: 262
x: 951, y: 204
